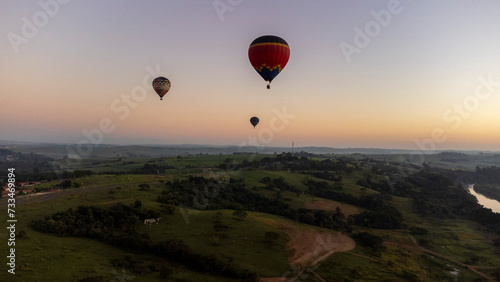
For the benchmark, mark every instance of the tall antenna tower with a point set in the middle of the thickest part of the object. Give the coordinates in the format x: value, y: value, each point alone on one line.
x: 292, y: 148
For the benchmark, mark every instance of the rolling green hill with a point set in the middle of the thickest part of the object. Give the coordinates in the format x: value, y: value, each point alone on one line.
x: 242, y: 215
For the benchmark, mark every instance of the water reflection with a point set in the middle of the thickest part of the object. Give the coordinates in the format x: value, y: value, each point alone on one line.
x: 494, y: 205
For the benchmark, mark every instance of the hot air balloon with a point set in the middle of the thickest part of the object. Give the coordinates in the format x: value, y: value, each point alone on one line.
x: 254, y: 121
x: 161, y: 85
x: 268, y: 55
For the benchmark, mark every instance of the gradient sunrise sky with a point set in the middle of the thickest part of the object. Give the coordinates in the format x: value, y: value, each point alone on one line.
x: 385, y: 74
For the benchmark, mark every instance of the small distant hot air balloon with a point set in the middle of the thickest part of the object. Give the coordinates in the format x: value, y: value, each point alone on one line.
x: 254, y: 121
x: 161, y: 85
x: 269, y: 55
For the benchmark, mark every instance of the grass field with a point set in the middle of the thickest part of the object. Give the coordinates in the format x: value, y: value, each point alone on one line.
x: 244, y: 241
x: 68, y: 258
x: 44, y: 257
x: 43, y: 253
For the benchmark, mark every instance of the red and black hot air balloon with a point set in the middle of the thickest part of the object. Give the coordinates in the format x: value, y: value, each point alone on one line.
x: 268, y: 55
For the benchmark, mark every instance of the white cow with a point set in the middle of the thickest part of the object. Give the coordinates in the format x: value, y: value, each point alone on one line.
x: 152, y: 220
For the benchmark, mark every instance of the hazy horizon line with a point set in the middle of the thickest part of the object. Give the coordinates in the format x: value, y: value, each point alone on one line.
x: 15, y: 142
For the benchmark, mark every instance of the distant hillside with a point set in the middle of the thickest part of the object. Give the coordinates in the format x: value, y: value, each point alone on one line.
x: 59, y: 151
x: 466, y: 160
x: 23, y: 162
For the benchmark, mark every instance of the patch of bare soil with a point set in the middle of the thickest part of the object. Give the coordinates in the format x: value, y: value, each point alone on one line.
x: 312, y: 246
x: 309, y: 245
x: 329, y: 205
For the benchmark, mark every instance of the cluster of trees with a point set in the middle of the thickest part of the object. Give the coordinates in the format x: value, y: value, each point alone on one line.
x: 481, y: 175
x: 66, y: 184
x: 235, y: 195
x: 22, y: 161
x: 438, y: 192
x: 369, y: 240
x: 491, y: 191
x: 36, y: 167
x: 152, y: 169
x: 381, y: 213
x: 326, y: 175
x: 488, y: 174
x: 289, y: 161
x: 77, y: 173
x: 116, y: 226
x: 386, y: 218
x: 327, y: 219
x: 367, y: 182
x: 192, y: 191
x: 294, y: 163
x: 203, y: 193
x: 436, y: 195
x: 278, y: 183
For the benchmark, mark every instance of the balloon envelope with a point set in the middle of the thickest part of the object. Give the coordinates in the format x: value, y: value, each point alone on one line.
x: 269, y: 55
x: 161, y: 85
x: 254, y: 121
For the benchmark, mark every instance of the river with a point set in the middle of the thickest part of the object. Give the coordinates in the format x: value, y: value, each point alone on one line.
x: 494, y: 205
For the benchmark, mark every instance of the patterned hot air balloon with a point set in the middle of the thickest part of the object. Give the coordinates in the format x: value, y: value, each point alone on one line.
x: 254, y: 121
x: 161, y: 85
x: 268, y: 55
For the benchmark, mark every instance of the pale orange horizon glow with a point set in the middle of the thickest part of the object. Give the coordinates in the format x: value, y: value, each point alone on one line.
x: 421, y: 75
